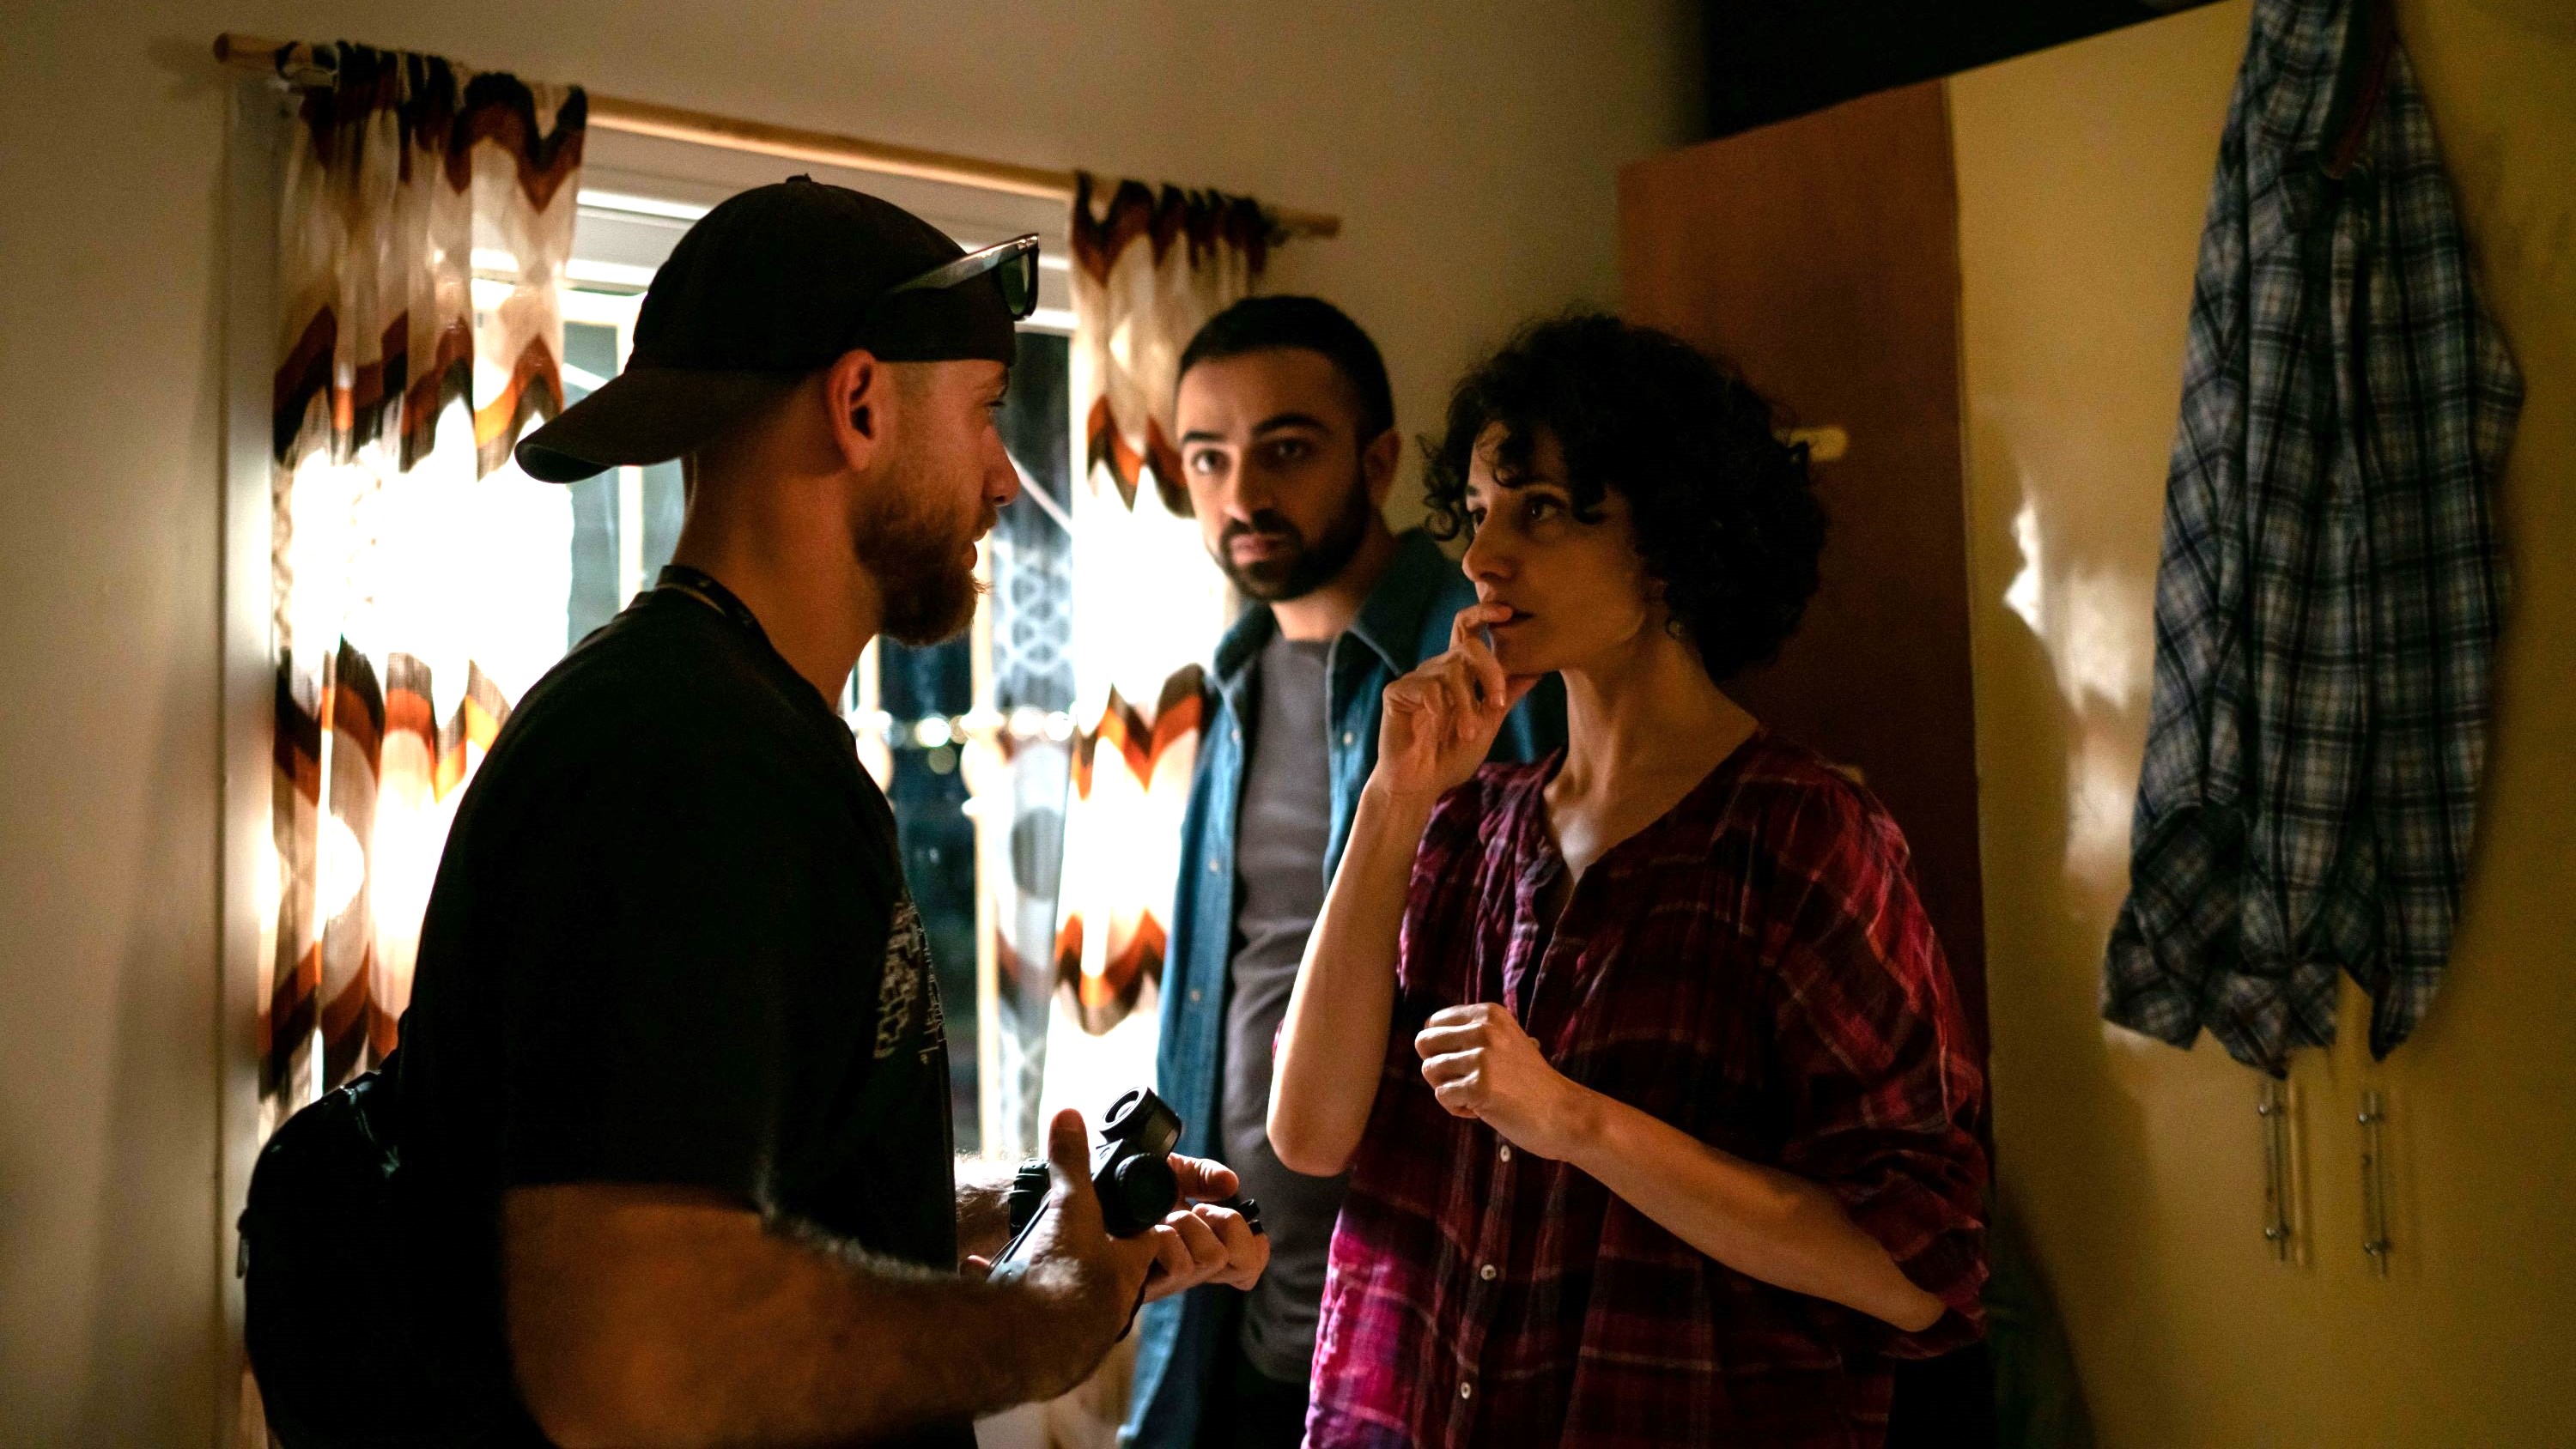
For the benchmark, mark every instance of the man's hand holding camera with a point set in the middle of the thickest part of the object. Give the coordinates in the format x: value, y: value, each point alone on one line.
x: 1071, y: 1257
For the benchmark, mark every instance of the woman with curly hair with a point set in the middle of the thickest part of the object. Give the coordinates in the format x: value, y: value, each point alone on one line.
x: 1651, y: 1080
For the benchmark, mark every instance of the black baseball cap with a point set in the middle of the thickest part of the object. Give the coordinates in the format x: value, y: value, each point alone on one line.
x: 768, y: 287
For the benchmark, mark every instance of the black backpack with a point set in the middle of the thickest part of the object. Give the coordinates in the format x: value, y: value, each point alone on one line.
x: 344, y: 1269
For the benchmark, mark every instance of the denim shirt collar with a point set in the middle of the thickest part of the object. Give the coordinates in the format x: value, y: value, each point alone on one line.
x: 1390, y: 623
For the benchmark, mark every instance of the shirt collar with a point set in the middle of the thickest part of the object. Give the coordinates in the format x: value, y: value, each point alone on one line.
x: 1390, y: 623
x: 705, y: 587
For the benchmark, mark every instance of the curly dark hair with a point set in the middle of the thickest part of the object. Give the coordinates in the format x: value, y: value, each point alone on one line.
x: 1725, y: 513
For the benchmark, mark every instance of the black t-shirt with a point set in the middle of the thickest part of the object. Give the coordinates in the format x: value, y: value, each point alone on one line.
x: 670, y: 943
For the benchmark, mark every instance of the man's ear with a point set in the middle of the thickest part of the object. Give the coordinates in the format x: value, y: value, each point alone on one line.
x: 1378, y: 464
x: 856, y: 393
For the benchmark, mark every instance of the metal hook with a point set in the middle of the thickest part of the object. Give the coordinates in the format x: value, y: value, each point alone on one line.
x: 2272, y: 1108
x: 2374, y: 1187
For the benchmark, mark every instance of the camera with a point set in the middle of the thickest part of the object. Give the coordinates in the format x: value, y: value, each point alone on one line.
x: 1131, y: 1172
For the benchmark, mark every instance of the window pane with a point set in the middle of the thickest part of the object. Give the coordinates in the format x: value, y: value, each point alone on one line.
x: 1032, y: 671
x: 664, y: 501
x: 592, y: 600
x: 1032, y: 554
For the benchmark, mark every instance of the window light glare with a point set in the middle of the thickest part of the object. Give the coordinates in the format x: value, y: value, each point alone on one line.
x: 641, y: 205
x: 340, y: 870
x: 612, y: 274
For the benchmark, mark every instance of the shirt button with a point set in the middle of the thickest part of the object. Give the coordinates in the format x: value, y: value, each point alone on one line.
x: 1350, y: 738
x: 1194, y: 993
x: 1486, y: 1272
x: 1466, y: 1391
x: 1507, y: 1152
x: 1215, y: 865
x: 1235, y: 735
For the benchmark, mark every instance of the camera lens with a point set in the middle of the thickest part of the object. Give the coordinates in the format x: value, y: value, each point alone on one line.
x: 1142, y: 1190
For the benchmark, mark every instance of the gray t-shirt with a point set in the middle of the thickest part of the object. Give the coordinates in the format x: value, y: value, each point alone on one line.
x: 1279, y: 889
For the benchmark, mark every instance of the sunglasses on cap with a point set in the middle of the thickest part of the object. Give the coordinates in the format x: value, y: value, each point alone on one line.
x: 1014, y: 262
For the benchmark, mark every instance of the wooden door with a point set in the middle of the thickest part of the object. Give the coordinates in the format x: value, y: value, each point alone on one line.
x: 1821, y: 256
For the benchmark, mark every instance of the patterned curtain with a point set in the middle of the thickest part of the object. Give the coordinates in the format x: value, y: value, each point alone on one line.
x: 1149, y: 266
x: 420, y: 580
x: 1150, y: 269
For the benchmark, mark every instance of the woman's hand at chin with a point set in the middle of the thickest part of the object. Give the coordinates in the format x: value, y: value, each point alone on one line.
x: 1440, y: 720
x: 1480, y: 1064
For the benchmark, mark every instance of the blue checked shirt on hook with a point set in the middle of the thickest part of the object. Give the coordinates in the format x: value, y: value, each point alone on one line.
x: 2332, y: 582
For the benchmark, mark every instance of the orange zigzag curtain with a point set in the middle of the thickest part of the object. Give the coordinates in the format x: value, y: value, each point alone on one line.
x: 1149, y: 267
x: 419, y: 580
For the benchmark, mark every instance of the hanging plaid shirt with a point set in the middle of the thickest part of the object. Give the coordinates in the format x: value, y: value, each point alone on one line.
x: 2332, y: 584
x: 1752, y: 968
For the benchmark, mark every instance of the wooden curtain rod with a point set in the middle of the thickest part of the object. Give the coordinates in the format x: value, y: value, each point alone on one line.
x: 673, y: 123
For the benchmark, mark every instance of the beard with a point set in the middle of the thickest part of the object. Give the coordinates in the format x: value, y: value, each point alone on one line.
x: 921, y: 557
x: 1301, y: 567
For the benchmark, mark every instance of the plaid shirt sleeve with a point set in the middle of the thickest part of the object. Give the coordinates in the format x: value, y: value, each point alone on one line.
x: 1870, y: 1043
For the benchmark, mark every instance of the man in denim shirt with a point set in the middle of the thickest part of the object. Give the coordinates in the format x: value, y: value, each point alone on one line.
x: 1288, y: 446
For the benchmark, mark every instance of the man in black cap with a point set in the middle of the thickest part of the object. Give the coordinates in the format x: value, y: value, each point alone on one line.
x: 673, y: 1076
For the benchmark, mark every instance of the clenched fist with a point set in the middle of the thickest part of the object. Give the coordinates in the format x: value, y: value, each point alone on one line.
x: 1480, y: 1064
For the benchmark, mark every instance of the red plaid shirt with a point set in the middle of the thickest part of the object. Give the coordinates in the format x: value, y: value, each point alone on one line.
x: 1753, y: 968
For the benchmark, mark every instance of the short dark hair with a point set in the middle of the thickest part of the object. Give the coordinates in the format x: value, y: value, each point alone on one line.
x: 1725, y: 513
x: 1258, y: 324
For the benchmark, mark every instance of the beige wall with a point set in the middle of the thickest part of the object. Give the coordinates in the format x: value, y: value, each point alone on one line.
x: 1470, y: 152
x: 2135, y: 1167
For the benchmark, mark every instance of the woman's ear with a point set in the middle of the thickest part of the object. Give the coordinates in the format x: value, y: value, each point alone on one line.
x: 1659, y: 602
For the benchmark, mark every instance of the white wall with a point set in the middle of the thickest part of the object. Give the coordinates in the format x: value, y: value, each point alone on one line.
x: 1470, y: 152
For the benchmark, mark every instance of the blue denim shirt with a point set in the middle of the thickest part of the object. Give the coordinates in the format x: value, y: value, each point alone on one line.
x: 1405, y: 621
